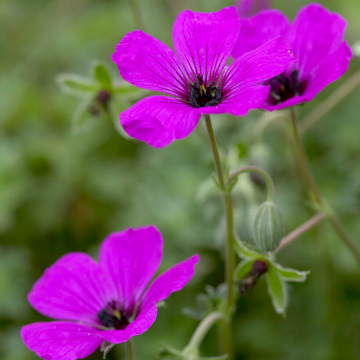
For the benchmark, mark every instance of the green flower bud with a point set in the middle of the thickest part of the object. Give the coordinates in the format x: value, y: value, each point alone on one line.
x: 268, y: 227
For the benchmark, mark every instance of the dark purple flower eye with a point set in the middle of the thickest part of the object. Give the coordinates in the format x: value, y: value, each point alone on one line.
x: 202, y: 95
x: 113, y: 317
x: 284, y: 87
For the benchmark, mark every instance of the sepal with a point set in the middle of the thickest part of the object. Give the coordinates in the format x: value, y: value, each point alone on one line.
x: 101, y: 74
x: 246, y: 275
x: 277, y: 290
x: 75, y: 85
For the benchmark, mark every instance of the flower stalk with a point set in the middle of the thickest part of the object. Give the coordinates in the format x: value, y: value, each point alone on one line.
x: 257, y: 170
x: 301, y: 229
x: 130, y: 350
x: 203, y: 328
x: 336, y: 224
x: 135, y: 8
x: 337, y: 96
x: 230, y: 258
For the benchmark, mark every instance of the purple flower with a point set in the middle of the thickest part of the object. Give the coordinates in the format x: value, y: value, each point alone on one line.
x: 246, y: 8
x: 105, y: 301
x: 316, y: 38
x: 196, y: 76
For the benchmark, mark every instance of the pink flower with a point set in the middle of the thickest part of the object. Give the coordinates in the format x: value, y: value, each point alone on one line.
x: 196, y: 77
x: 102, y: 301
x: 246, y: 8
x: 316, y: 38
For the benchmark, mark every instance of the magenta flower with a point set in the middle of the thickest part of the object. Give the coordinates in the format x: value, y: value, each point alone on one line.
x: 105, y: 301
x: 246, y: 8
x: 316, y: 38
x: 195, y: 77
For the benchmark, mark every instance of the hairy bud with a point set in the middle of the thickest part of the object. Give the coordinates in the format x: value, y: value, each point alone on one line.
x: 268, y: 227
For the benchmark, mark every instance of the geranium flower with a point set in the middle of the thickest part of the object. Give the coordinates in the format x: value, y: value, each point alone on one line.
x: 316, y: 38
x: 105, y: 301
x: 196, y: 76
x: 246, y: 8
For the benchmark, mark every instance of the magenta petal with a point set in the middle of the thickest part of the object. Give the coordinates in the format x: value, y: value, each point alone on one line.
x: 74, y: 288
x: 332, y: 66
x: 142, y: 322
x: 329, y: 69
x: 59, y: 340
x: 204, y: 42
x: 130, y: 259
x: 171, y: 280
x: 315, y: 32
x: 259, y: 29
x: 255, y: 67
x: 246, y: 8
x: 159, y: 120
x: 149, y: 64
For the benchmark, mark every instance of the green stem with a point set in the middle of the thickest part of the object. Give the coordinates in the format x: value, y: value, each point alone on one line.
x: 330, y: 102
x: 204, y: 328
x: 301, y: 229
x: 130, y: 350
x: 338, y: 227
x: 135, y: 8
x: 257, y: 170
x: 230, y: 259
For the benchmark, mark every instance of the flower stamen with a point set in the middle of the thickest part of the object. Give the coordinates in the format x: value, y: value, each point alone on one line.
x: 112, y: 317
x: 202, y: 95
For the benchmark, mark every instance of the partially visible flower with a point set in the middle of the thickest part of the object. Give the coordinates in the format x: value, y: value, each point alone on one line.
x: 196, y: 76
x: 105, y: 302
x: 316, y: 38
x: 246, y: 8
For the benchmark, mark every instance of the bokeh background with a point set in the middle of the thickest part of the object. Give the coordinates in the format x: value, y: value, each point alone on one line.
x: 62, y: 192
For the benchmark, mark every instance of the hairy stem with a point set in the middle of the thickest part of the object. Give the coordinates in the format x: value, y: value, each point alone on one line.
x: 338, y: 227
x: 301, y: 230
x: 257, y: 170
x: 135, y: 8
x: 230, y: 258
x: 203, y: 328
x: 130, y: 350
x: 330, y: 102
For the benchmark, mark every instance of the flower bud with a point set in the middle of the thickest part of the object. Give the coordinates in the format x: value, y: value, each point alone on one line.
x: 268, y: 227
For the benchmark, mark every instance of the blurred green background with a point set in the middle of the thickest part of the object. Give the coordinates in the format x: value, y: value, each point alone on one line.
x: 61, y: 192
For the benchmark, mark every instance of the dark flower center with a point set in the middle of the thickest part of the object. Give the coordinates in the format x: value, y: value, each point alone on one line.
x: 202, y: 95
x: 113, y: 317
x: 250, y: 279
x: 284, y: 87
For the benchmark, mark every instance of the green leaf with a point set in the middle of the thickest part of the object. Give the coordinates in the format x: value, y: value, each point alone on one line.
x: 245, y: 252
x: 76, y: 85
x: 291, y: 274
x: 276, y: 289
x: 243, y: 268
x: 101, y: 74
x: 128, y: 91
